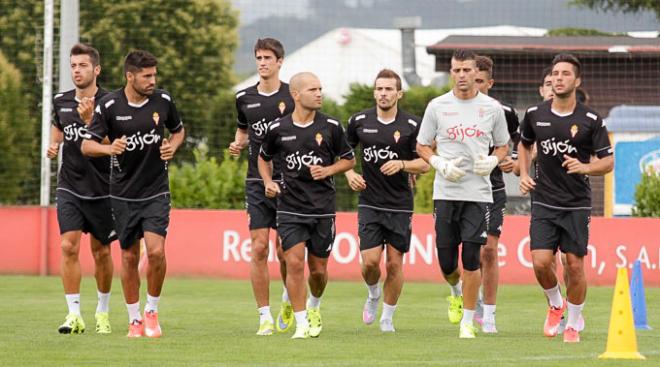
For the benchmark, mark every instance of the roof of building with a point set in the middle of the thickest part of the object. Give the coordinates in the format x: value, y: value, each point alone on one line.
x: 526, y: 44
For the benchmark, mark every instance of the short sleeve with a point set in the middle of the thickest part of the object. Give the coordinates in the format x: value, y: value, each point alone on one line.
x: 351, y: 132
x: 340, y: 145
x: 427, y: 130
x: 241, y: 121
x: 500, y: 130
x: 55, y: 121
x: 269, y: 147
x: 415, y: 125
x: 173, y: 123
x: 527, y: 135
x: 601, y: 140
x: 100, y: 126
x: 512, y: 124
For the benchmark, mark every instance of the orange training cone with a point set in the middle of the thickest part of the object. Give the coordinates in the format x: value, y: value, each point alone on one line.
x: 621, y: 338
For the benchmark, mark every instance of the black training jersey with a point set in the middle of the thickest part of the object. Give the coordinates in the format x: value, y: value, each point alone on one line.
x: 298, y: 147
x: 84, y: 177
x: 496, y: 177
x: 138, y: 173
x: 580, y: 135
x: 255, y: 112
x: 381, y: 142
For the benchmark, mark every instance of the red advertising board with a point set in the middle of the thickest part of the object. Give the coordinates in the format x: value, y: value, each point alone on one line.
x: 217, y: 243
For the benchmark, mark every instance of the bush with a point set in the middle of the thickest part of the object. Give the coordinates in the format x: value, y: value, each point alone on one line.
x: 424, y: 192
x: 19, y: 149
x: 208, y: 184
x: 647, y: 195
x: 417, y: 98
x: 359, y: 98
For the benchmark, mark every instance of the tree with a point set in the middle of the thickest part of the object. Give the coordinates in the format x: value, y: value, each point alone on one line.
x: 194, y: 42
x: 417, y: 98
x: 16, y: 137
x: 647, y: 195
x: 573, y: 32
x: 626, y: 6
x: 207, y: 183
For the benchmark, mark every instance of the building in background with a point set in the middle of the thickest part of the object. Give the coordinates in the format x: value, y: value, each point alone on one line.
x: 355, y: 55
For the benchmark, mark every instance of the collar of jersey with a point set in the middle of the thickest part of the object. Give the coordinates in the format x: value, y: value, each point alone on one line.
x: 561, y: 114
x: 298, y: 124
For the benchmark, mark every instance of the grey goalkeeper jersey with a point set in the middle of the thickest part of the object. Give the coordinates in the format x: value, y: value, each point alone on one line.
x: 463, y: 128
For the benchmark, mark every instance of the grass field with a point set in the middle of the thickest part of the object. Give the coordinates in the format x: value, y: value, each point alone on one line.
x: 212, y: 323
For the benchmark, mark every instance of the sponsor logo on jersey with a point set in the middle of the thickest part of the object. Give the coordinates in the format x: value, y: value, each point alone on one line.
x: 140, y: 141
x: 397, y: 136
x: 319, y: 138
x: 296, y: 161
x: 543, y: 123
x: 574, y: 130
x: 554, y: 148
x: 289, y: 138
x: 63, y: 109
x: 281, y: 106
x: 461, y: 132
x: 450, y: 113
x: 124, y: 118
x: 374, y: 154
x: 156, y: 118
x: 74, y: 132
x: 259, y: 127
x: 253, y: 105
x: 370, y: 131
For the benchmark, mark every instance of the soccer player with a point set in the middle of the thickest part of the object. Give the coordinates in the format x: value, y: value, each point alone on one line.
x: 258, y: 105
x: 464, y: 124
x: 134, y: 119
x: 489, y: 263
x: 567, y: 134
x: 388, y: 139
x: 312, y: 148
x: 83, y: 204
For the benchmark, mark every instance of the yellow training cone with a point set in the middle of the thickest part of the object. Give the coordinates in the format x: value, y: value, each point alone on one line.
x: 621, y: 338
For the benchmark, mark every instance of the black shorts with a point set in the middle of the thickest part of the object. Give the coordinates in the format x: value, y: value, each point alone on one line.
x: 318, y: 234
x: 552, y: 229
x: 90, y: 216
x: 459, y: 221
x: 133, y: 218
x: 261, y: 210
x: 495, y: 213
x: 380, y: 227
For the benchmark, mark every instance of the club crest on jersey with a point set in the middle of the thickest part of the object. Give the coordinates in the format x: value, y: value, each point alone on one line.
x: 397, y: 136
x: 156, y: 118
x: 319, y: 139
x: 574, y: 130
x: 281, y: 107
x: 482, y: 111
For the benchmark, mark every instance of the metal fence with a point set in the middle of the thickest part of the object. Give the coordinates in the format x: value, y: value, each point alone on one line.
x: 205, y: 52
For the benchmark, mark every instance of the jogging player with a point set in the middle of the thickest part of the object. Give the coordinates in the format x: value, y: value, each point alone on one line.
x: 258, y: 105
x: 134, y: 119
x: 83, y: 203
x: 489, y: 262
x: 312, y: 148
x: 464, y: 124
x: 388, y: 139
x: 566, y: 134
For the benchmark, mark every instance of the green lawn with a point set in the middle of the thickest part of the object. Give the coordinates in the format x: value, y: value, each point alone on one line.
x: 212, y: 323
